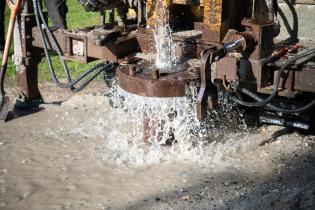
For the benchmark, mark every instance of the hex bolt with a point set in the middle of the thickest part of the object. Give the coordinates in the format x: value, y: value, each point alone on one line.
x: 132, y: 70
x: 28, y: 53
x: 155, y: 74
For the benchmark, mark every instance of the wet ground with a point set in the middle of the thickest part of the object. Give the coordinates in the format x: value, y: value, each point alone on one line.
x: 76, y: 152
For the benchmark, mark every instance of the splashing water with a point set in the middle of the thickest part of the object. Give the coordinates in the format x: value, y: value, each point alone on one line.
x: 164, y: 45
x: 165, y: 56
x: 195, y: 142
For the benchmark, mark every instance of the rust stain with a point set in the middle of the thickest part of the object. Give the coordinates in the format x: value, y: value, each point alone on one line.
x: 156, y: 10
x: 213, y: 14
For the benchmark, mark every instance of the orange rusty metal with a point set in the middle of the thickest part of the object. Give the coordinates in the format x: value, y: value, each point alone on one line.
x: 156, y: 10
x: 219, y: 17
x: 213, y: 20
x: 167, y: 85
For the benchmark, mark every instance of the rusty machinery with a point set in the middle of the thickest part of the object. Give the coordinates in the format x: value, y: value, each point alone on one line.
x: 234, y: 40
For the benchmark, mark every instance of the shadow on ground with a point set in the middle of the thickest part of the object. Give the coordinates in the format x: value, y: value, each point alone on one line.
x: 291, y: 186
x: 25, y: 109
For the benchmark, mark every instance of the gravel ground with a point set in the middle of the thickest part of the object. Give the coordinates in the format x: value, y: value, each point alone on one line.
x: 75, y: 152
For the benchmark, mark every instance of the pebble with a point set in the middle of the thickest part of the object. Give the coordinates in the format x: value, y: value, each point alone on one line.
x: 185, y: 197
x: 25, y: 161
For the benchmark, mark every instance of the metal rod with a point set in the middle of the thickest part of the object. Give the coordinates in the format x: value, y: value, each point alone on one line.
x: 283, y: 122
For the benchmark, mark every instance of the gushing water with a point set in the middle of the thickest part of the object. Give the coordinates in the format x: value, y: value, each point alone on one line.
x: 164, y: 45
x: 169, y: 118
x: 117, y: 121
x: 194, y: 142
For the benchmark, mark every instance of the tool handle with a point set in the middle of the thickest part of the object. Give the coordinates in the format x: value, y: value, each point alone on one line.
x: 8, y: 41
x: 14, y: 7
x: 6, y: 53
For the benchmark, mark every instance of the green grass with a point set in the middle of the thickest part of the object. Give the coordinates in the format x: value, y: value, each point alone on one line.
x: 76, y: 18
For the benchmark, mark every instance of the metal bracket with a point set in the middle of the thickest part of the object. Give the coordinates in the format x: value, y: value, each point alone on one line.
x: 207, y: 95
x: 76, y: 48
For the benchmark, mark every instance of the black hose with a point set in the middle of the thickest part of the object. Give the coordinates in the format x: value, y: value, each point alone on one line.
x: 99, y: 67
x: 264, y: 102
x: 53, y: 40
x: 88, y: 81
x: 275, y: 108
x: 45, y: 45
x: 254, y: 96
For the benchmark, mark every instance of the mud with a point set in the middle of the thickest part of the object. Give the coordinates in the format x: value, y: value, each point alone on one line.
x: 57, y: 156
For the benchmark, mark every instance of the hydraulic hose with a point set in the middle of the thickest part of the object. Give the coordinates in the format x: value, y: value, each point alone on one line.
x: 273, y: 107
x: 86, y: 82
x: 39, y: 14
x: 97, y: 68
x: 264, y: 102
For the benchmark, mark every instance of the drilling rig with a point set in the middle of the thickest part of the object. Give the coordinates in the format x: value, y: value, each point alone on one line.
x: 259, y: 53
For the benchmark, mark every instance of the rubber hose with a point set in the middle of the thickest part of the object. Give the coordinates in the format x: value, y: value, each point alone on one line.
x: 275, y: 88
x: 275, y: 108
x: 101, y: 66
